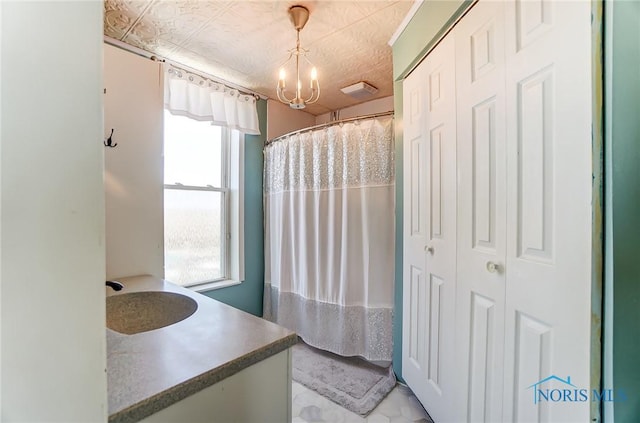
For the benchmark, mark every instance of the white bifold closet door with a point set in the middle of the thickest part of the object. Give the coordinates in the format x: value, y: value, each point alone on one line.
x: 524, y: 207
x: 430, y: 230
x: 521, y: 271
x: 482, y: 211
x: 549, y: 205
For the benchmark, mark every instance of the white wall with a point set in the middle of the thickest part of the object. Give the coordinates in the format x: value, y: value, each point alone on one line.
x: 134, y: 169
x: 282, y: 119
x: 52, y: 213
x: 379, y: 105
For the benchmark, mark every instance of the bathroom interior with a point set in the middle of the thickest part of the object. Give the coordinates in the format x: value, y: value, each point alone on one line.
x: 300, y: 232
x: 367, y: 244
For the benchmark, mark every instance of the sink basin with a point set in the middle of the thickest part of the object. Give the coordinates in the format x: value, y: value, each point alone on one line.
x: 138, y: 312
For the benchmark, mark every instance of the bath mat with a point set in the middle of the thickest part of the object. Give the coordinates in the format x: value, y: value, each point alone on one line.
x: 351, y: 382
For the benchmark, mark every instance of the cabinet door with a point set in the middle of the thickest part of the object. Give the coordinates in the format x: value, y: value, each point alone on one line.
x: 480, y: 89
x: 430, y: 231
x: 548, y: 265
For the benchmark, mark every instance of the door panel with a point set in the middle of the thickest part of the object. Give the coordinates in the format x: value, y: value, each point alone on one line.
x: 481, y: 212
x: 415, y: 340
x: 548, y: 296
x: 431, y: 136
x: 435, y: 177
x: 483, y: 175
x: 481, y: 352
x: 533, y: 19
x: 415, y: 227
x: 535, y: 166
x: 532, y: 353
x: 436, y: 293
x: 416, y: 198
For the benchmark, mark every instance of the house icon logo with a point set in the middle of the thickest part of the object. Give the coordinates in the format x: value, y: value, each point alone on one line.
x: 556, y: 389
x: 548, y: 394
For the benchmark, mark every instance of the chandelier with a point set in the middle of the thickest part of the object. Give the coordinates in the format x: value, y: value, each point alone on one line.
x: 299, y: 16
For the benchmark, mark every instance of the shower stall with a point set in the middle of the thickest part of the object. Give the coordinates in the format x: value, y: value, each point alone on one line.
x: 329, y: 201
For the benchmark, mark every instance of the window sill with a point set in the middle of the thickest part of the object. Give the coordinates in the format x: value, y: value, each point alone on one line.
x: 211, y: 286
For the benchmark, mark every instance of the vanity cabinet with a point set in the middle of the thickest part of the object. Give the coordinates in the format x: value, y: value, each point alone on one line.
x: 259, y: 393
x: 220, y: 364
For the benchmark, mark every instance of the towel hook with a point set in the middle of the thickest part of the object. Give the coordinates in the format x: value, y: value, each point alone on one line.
x: 109, y: 142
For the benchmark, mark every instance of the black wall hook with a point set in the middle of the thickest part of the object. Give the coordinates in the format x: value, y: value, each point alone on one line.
x: 109, y: 142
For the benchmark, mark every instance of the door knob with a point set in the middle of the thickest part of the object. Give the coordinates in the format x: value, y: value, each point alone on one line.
x: 429, y: 249
x: 493, y: 267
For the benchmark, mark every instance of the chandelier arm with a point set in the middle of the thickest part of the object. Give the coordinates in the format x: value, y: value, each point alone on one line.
x: 314, y: 91
x: 282, y: 96
x: 315, y: 94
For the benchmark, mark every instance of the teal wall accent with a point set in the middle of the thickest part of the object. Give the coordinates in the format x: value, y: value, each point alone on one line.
x: 623, y: 199
x: 397, y: 295
x: 431, y: 20
x: 247, y: 296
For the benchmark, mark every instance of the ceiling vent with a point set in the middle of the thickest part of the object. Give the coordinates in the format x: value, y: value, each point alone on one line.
x: 359, y: 90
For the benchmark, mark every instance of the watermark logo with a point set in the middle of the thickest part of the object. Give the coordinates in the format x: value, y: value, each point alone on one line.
x: 565, y: 391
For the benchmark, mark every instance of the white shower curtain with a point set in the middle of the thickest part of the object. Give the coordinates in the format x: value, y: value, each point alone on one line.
x: 329, y: 236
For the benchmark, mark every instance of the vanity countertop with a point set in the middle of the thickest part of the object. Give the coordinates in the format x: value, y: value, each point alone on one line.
x: 150, y: 371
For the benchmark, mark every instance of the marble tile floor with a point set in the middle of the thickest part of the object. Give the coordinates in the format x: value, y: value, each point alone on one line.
x: 400, y: 406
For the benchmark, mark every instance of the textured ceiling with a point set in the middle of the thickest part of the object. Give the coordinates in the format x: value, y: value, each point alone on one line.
x: 246, y: 42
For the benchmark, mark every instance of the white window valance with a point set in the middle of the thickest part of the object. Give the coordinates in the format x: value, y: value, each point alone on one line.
x: 188, y: 94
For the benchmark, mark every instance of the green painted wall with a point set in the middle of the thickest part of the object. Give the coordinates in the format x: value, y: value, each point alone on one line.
x: 397, y: 295
x: 425, y: 28
x: 248, y: 295
x: 431, y: 20
x: 623, y: 197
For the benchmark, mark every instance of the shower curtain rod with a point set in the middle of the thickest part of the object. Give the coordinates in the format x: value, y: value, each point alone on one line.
x: 333, y: 122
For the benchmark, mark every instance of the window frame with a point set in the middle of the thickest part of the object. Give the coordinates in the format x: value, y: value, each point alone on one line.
x: 226, y: 262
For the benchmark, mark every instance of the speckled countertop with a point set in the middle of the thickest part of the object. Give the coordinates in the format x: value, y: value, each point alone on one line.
x: 150, y: 371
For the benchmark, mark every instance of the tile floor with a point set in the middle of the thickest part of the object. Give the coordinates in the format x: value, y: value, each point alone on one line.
x: 400, y: 406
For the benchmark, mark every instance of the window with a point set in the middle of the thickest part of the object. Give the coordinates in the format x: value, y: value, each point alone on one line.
x: 201, y: 195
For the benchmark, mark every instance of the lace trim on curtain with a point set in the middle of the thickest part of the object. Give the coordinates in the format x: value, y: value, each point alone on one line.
x: 328, y: 158
x: 188, y: 94
x: 344, y: 330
